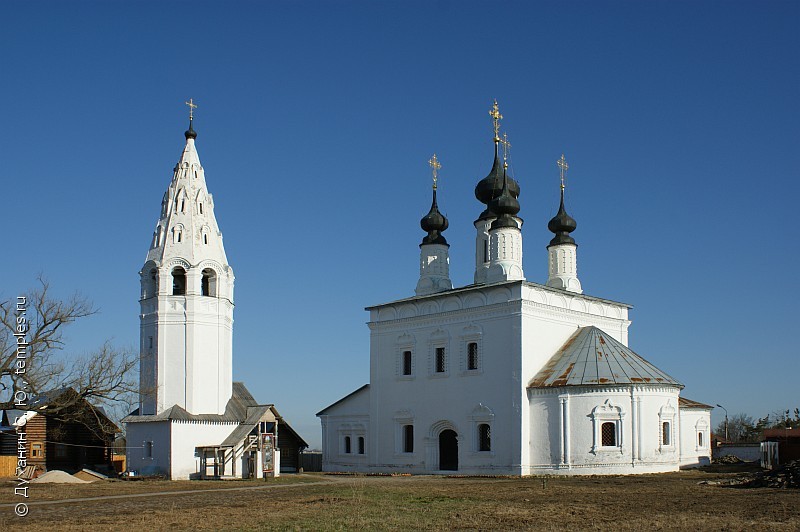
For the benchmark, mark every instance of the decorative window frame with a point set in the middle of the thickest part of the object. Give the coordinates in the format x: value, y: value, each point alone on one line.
x: 354, y: 431
x: 666, y: 414
x: 177, y: 233
x: 701, y: 427
x: 471, y: 334
x: 401, y: 419
x: 481, y: 415
x: 439, y: 339
x: 406, y: 342
x: 605, y: 413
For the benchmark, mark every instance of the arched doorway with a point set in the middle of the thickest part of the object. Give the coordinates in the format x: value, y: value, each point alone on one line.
x: 448, y: 450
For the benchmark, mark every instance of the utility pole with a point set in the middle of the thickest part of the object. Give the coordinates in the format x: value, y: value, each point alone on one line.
x: 726, y: 421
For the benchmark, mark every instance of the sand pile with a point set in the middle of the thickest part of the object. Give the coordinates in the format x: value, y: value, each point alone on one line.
x: 58, y: 477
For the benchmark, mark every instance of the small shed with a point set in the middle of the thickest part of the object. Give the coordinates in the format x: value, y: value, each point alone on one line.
x: 788, y: 444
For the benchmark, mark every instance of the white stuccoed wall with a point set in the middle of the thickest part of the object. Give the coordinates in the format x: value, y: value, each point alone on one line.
x: 349, y: 418
x: 186, y: 340
x: 139, y: 433
x: 562, y: 266
x: 188, y: 435
x: 694, y: 421
x: 564, y: 441
x: 517, y: 325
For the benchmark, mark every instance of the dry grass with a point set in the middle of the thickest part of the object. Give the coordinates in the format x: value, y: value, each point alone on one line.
x: 670, y: 501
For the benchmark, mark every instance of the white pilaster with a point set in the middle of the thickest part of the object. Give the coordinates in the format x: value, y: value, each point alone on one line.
x: 482, y: 249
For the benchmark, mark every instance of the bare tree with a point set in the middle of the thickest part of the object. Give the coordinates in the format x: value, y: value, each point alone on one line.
x: 741, y: 428
x: 32, y: 360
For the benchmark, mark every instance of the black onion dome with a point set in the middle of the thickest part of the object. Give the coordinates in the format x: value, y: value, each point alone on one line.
x: 505, y: 206
x: 190, y: 133
x: 434, y: 223
x: 490, y: 186
x: 562, y: 224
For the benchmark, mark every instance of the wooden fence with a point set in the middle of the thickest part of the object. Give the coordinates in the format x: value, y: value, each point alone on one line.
x: 8, y: 466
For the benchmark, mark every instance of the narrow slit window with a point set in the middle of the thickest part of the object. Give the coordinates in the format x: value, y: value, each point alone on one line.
x: 148, y: 449
x: 347, y: 445
x: 472, y: 355
x: 484, y: 437
x: 699, y: 439
x: 361, y: 445
x: 440, y: 360
x: 406, y: 362
x: 201, y: 208
x: 408, y: 438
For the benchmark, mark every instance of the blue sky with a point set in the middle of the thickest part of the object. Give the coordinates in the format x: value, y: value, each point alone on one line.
x: 316, y: 121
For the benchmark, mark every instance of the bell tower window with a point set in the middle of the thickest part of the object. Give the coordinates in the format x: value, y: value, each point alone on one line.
x: 208, y: 284
x: 178, y: 281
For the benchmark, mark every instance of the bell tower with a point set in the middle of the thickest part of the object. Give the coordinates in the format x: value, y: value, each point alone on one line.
x: 186, y: 317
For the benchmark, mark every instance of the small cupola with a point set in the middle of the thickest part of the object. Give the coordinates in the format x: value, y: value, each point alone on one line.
x: 491, y: 186
x: 434, y: 261
x: 562, y: 224
x: 434, y: 223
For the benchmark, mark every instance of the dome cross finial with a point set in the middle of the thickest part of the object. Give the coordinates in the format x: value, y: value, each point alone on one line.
x: 563, y: 166
x: 192, y: 107
x: 435, y: 165
x: 506, y: 149
x: 494, y: 112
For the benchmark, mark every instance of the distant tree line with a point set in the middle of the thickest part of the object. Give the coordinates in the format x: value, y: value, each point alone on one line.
x: 744, y: 429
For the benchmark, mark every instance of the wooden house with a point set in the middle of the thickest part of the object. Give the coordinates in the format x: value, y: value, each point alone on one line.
x: 64, y: 431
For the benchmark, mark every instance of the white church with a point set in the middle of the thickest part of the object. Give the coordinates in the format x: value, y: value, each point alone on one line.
x: 508, y: 376
x: 193, y: 421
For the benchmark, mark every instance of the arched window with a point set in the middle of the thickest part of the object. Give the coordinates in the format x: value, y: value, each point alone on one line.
x: 484, y: 437
x: 609, y: 434
x: 408, y: 438
x: 347, y: 449
x: 178, y: 281
x: 151, y: 284
x: 208, y: 284
x: 205, y: 238
x: 361, y: 445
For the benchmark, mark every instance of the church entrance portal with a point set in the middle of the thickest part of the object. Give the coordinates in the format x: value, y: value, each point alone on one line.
x: 448, y: 450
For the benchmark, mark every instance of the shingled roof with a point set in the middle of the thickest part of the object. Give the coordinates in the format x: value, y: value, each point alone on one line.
x: 592, y: 357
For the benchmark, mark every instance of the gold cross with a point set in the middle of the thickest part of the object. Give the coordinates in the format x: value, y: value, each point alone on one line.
x: 435, y: 165
x: 192, y: 107
x: 494, y: 112
x: 562, y: 164
x: 506, y: 149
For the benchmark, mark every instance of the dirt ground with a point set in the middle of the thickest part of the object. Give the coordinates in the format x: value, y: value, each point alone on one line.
x: 316, y: 501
